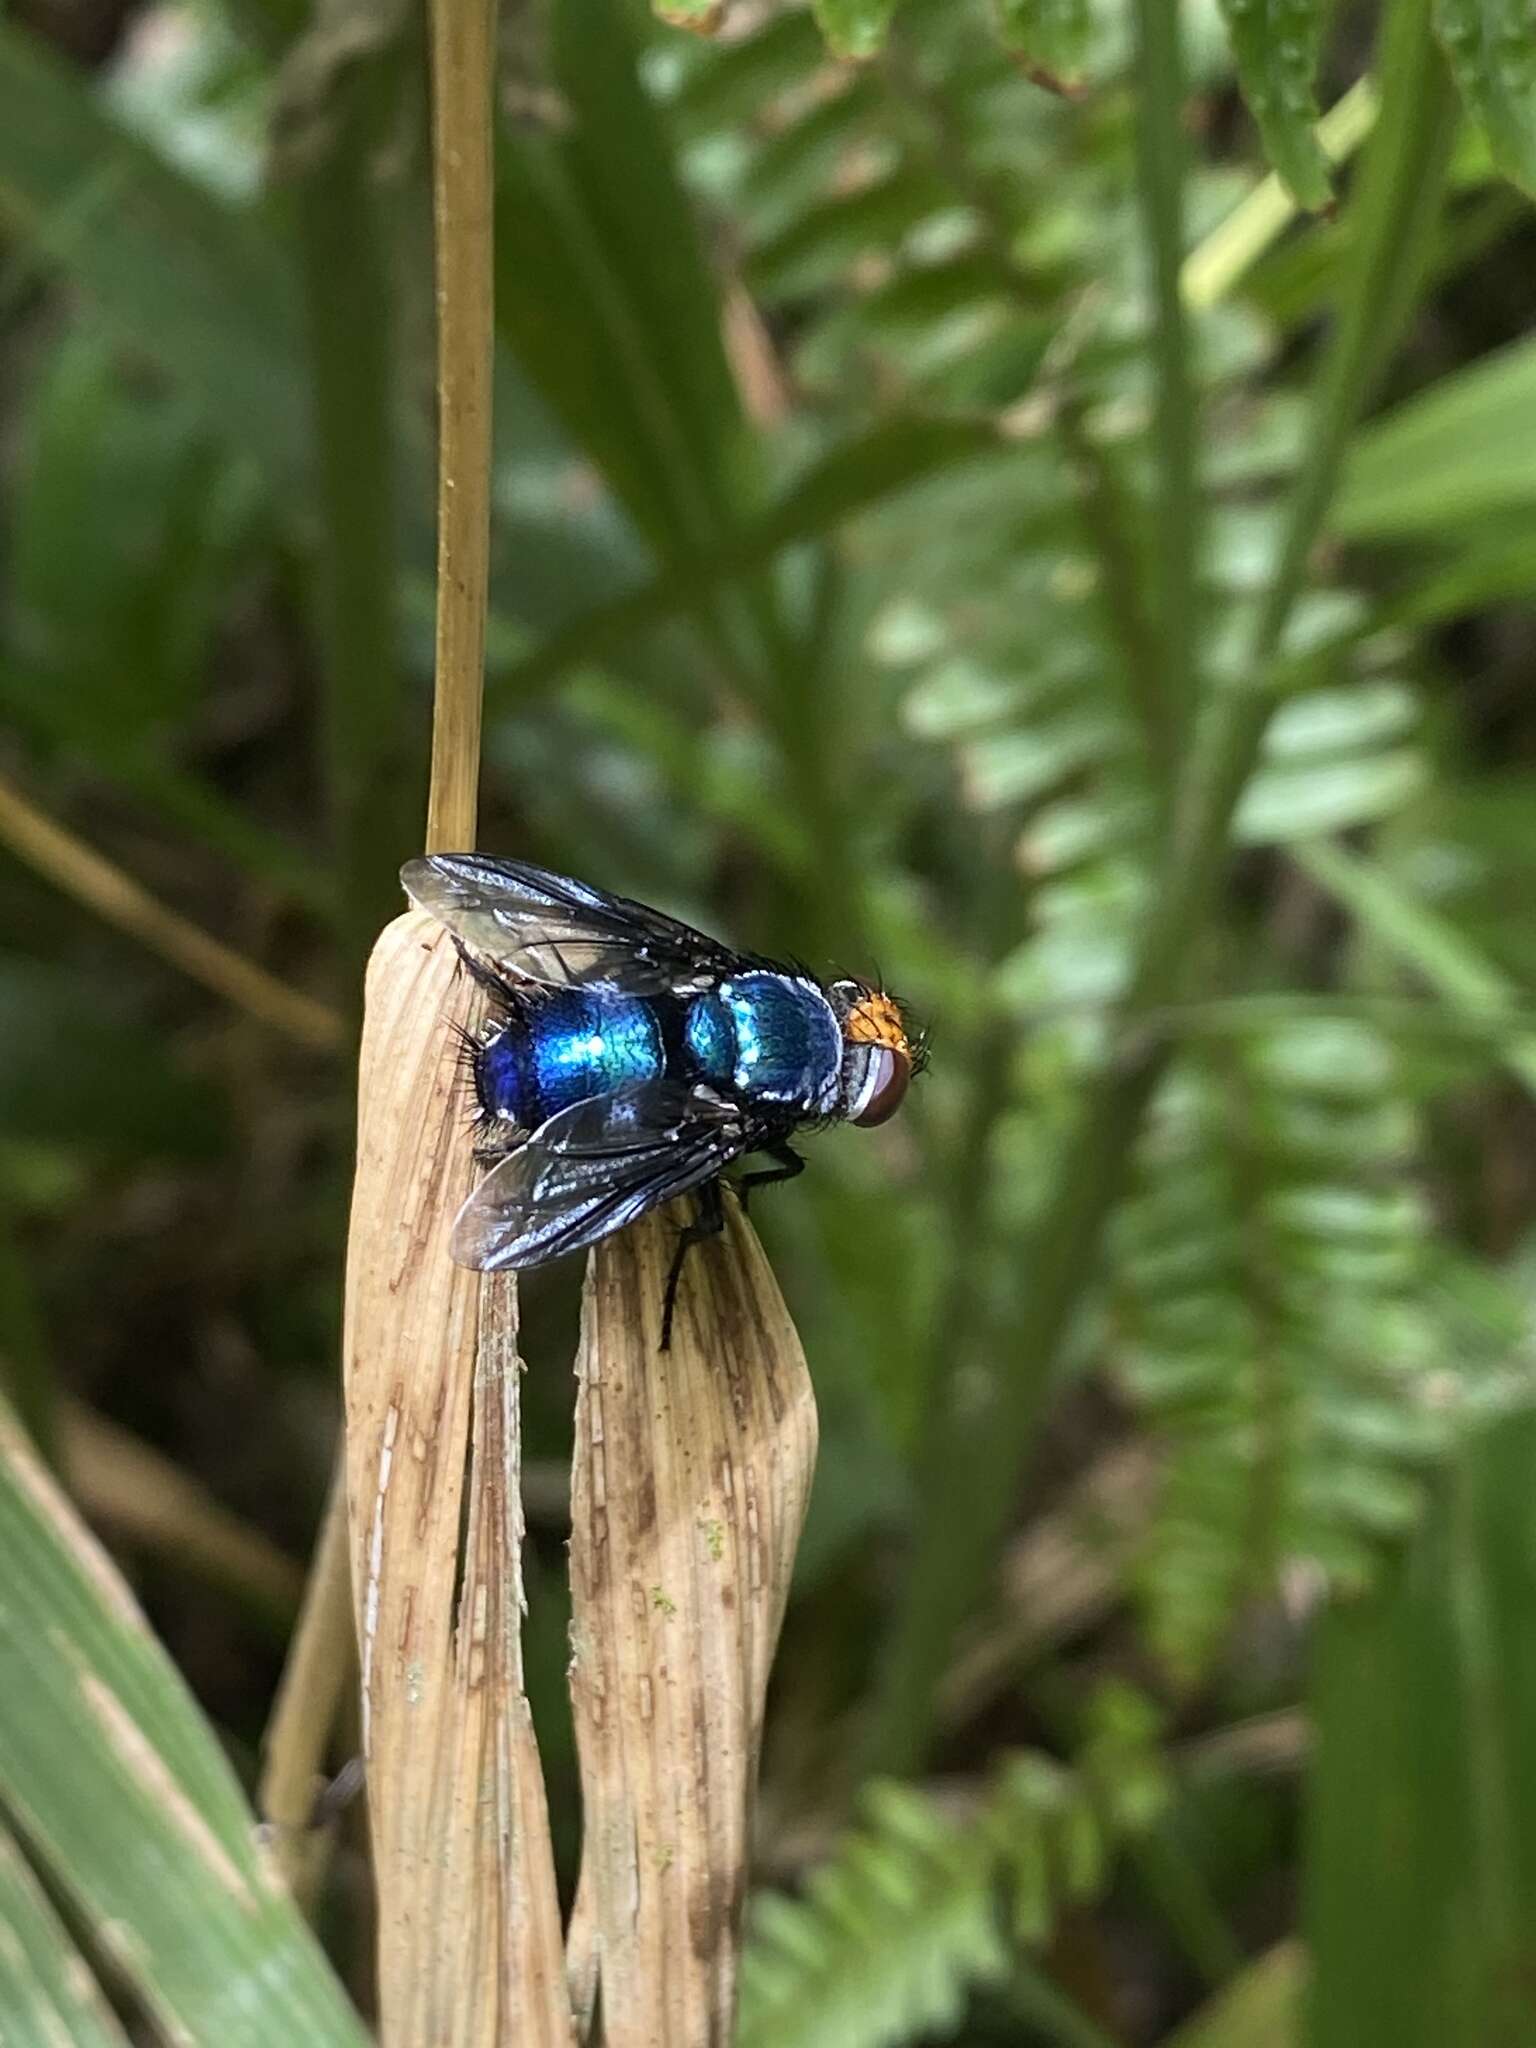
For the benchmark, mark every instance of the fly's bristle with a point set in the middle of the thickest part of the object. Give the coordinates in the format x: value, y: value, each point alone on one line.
x: 468, y: 1046
x: 467, y: 1042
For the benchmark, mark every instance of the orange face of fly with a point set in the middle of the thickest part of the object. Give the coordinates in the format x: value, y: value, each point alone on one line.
x: 876, y: 1020
x: 878, y: 1064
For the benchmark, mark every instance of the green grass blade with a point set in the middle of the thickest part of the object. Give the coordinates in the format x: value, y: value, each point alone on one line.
x: 349, y: 307
x: 124, y: 1797
x: 48, y: 1995
x: 1458, y: 452
x: 1418, y: 1885
x: 1161, y: 152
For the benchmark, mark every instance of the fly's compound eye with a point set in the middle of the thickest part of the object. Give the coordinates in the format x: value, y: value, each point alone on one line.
x: 879, y: 1084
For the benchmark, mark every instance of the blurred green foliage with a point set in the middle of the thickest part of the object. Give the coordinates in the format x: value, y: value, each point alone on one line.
x: 891, y: 566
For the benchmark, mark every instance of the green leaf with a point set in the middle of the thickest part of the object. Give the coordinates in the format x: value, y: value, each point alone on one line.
x: 49, y: 1997
x: 1276, y: 43
x: 1301, y: 802
x: 1418, y: 1886
x: 188, y: 280
x: 1052, y: 38
x: 1285, y: 1312
x: 126, y: 1802
x: 1491, y: 45
x: 1458, y: 451
x: 369, y: 741
x: 853, y: 28
x: 894, y: 1930
x: 1333, y: 759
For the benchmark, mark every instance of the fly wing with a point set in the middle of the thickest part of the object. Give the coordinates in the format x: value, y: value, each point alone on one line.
x: 555, y: 930
x: 593, y: 1168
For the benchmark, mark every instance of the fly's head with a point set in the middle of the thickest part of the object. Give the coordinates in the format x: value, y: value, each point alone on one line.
x: 881, y: 1052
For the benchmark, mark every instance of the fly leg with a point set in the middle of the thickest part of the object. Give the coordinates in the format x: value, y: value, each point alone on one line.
x: 789, y: 1164
x: 337, y: 1794
x: 709, y: 1223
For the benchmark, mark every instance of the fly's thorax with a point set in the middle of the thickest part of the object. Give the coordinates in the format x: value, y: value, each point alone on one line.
x: 563, y: 1047
x: 768, y: 1038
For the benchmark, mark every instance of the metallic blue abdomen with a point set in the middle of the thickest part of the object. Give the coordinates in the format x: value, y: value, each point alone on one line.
x: 769, y: 1037
x: 576, y: 1043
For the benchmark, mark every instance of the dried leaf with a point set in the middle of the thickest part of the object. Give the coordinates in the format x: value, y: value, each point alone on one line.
x: 469, y: 1933
x: 692, y: 1472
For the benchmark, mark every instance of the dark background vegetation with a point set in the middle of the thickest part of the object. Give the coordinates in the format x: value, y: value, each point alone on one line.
x: 837, y: 605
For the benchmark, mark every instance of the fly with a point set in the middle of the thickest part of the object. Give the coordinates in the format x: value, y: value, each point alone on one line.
x: 631, y: 1059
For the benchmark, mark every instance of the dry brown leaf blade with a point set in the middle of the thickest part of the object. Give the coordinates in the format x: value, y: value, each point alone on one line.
x: 692, y: 1473
x: 469, y: 1933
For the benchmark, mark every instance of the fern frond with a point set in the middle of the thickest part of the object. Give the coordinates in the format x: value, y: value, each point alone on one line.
x: 916, y: 1909
x: 1289, y: 1322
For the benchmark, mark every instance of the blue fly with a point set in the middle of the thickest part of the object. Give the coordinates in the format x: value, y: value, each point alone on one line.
x: 629, y: 1059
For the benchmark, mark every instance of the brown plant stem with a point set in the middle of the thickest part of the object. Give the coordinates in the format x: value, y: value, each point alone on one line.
x: 321, y: 1659
x: 463, y: 78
